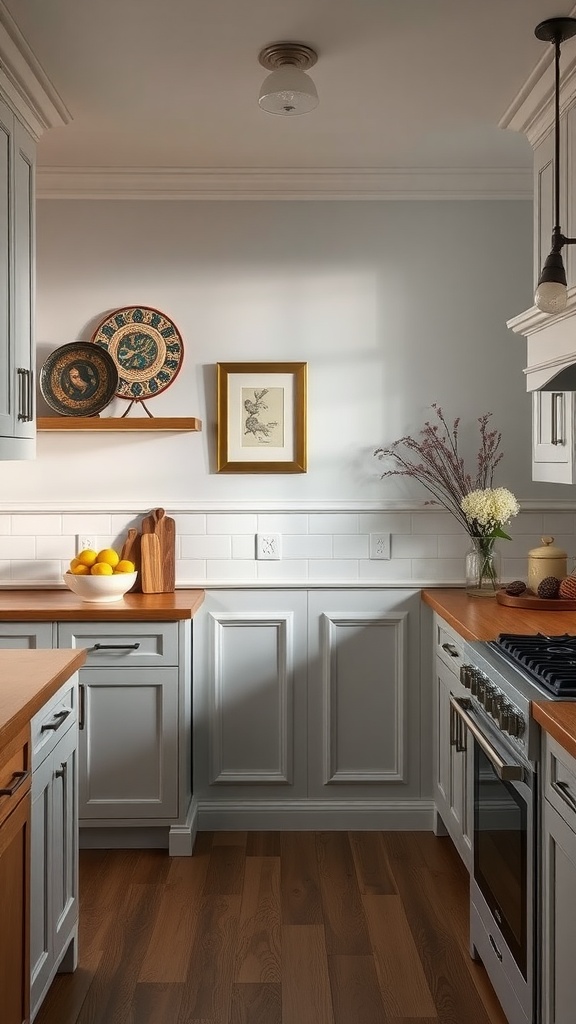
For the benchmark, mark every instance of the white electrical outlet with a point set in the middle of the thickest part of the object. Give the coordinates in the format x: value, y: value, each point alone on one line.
x: 380, y: 545
x: 268, y: 546
x: 86, y: 540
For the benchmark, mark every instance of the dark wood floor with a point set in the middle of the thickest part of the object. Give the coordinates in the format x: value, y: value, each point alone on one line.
x: 276, y: 928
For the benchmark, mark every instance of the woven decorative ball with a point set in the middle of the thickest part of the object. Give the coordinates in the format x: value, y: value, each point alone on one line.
x: 568, y: 587
x: 549, y: 587
x: 516, y: 588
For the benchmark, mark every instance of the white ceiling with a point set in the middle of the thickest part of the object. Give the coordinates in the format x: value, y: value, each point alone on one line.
x: 174, y: 83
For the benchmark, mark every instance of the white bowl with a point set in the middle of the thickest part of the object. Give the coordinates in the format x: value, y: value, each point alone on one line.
x: 100, y: 589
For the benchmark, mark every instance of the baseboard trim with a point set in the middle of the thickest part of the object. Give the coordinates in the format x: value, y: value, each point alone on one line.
x: 334, y: 815
x: 181, y: 837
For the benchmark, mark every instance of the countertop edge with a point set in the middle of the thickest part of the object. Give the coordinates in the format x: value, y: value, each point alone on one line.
x: 549, y: 714
x: 31, y: 703
x: 63, y: 606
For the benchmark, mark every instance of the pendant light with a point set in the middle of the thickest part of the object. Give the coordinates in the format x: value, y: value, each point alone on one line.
x: 288, y: 90
x: 551, y: 293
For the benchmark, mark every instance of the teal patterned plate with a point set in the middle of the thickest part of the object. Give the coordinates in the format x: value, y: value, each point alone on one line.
x: 146, y: 347
x: 78, y: 380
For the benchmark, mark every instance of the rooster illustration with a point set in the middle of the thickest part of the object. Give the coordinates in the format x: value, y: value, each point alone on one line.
x: 252, y: 424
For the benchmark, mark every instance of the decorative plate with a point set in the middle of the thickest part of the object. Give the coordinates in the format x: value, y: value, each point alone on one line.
x: 78, y: 379
x: 146, y: 348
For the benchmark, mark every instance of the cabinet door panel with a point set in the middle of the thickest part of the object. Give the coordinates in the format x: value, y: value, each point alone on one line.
x: 25, y: 636
x: 559, y: 918
x: 41, y: 945
x: 24, y: 159
x: 6, y: 352
x: 129, y: 744
x: 14, y: 903
x: 64, y: 828
x: 363, y: 692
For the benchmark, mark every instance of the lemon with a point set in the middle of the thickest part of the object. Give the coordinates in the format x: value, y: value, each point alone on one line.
x: 101, y: 569
x: 109, y: 556
x: 74, y: 563
x: 87, y: 557
x: 125, y: 566
x: 80, y: 570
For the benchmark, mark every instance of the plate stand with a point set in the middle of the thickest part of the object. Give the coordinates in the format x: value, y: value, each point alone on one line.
x: 137, y: 401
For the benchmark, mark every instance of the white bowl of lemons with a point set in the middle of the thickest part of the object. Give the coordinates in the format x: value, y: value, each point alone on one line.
x: 100, y: 576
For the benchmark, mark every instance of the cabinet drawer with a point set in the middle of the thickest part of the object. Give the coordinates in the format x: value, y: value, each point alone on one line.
x: 112, y: 644
x: 560, y: 780
x: 15, y: 773
x: 25, y: 636
x: 449, y: 646
x: 53, y: 720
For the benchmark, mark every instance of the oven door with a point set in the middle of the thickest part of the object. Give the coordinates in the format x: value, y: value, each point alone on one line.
x: 502, y: 886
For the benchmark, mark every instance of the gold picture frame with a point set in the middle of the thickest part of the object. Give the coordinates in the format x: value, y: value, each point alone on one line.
x: 262, y: 417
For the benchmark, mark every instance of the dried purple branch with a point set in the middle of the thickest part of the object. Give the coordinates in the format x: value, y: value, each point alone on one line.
x: 434, y: 460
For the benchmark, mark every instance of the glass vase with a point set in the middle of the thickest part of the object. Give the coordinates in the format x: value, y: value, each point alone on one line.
x: 482, y: 568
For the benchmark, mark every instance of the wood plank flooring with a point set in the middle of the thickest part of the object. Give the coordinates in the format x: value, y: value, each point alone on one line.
x: 276, y: 928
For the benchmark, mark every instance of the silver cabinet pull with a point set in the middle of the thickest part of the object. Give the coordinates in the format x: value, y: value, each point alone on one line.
x: 61, y: 772
x: 116, y: 647
x: 557, y: 399
x: 25, y: 411
x: 563, y: 790
x: 18, y: 779
x: 495, y: 947
x: 58, y: 720
x: 506, y: 772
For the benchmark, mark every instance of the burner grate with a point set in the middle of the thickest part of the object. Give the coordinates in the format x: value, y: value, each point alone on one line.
x: 549, y: 659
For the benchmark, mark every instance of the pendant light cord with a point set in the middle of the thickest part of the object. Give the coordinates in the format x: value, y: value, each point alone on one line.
x: 557, y: 137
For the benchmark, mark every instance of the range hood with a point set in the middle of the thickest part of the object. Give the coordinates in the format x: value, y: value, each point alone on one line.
x: 553, y: 337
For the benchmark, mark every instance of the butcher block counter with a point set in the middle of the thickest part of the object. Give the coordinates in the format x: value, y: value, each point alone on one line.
x: 477, y: 618
x: 27, y: 680
x: 61, y: 605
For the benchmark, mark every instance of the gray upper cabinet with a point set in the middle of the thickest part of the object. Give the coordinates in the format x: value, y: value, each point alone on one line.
x: 17, y: 157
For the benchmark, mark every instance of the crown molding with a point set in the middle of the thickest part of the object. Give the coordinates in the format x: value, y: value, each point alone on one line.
x: 280, y: 184
x: 24, y: 82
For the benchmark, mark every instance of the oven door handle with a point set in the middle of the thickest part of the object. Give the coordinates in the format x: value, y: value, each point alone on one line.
x: 506, y: 772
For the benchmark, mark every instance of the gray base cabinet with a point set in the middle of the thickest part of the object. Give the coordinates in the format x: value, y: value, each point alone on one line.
x: 559, y: 884
x: 135, y: 694
x: 54, y: 842
x: 452, y: 754
x: 307, y: 709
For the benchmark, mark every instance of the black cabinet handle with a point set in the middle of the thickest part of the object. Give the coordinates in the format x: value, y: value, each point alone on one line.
x: 18, y: 779
x: 451, y: 650
x: 82, y: 712
x: 59, y: 718
x: 116, y: 647
x: 563, y: 790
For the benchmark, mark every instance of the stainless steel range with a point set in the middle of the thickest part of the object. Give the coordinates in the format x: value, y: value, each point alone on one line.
x: 502, y: 678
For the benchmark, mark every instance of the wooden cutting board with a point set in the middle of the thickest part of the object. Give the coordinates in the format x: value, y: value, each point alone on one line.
x: 151, y: 571
x: 131, y: 551
x: 159, y: 525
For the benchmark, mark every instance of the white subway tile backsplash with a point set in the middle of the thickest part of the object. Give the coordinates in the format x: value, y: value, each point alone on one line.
x: 228, y: 569
x: 527, y: 522
x: 435, y: 522
x: 453, y: 545
x: 557, y: 522
x: 206, y: 547
x: 99, y: 523
x: 18, y: 547
x: 190, y: 570
x: 29, y: 525
x: 187, y: 523
x: 291, y: 569
x: 244, y: 546
x: 334, y: 522
x: 312, y: 546
x: 55, y: 547
x: 447, y: 570
x: 4, y: 571
x: 396, y: 569
x: 384, y: 522
x: 350, y: 546
x: 333, y: 569
x: 282, y: 522
x: 231, y: 523
x: 414, y: 546
x: 45, y: 571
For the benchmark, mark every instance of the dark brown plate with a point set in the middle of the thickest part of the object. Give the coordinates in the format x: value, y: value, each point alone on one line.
x: 78, y: 379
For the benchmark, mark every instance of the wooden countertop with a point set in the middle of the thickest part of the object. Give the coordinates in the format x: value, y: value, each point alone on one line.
x: 27, y: 680
x: 482, y: 618
x: 52, y: 605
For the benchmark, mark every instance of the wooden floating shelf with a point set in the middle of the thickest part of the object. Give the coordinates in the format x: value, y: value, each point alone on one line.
x: 174, y: 423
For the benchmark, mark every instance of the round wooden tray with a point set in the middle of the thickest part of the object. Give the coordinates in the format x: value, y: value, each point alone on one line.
x: 526, y: 600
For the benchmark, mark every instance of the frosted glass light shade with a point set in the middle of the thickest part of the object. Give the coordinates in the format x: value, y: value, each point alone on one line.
x: 288, y: 91
x: 551, y: 297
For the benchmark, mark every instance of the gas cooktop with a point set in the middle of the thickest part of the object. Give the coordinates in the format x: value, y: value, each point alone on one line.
x: 550, y: 660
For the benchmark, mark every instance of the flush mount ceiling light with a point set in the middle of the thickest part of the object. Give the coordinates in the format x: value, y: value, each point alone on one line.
x: 551, y: 293
x: 288, y: 90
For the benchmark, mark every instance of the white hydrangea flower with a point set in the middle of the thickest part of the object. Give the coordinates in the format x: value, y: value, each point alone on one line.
x: 489, y: 509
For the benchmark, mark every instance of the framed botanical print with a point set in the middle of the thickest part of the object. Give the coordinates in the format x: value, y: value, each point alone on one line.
x: 262, y: 417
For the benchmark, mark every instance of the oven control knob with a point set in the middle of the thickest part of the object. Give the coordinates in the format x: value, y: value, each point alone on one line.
x: 503, y: 715
x: 466, y: 675
x: 496, y: 705
x: 515, y: 724
x: 487, y: 695
x: 474, y: 680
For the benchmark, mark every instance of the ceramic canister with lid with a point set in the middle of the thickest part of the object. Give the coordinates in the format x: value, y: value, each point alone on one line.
x: 546, y: 561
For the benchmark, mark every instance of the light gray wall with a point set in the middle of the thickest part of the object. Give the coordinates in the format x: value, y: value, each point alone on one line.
x: 394, y: 305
